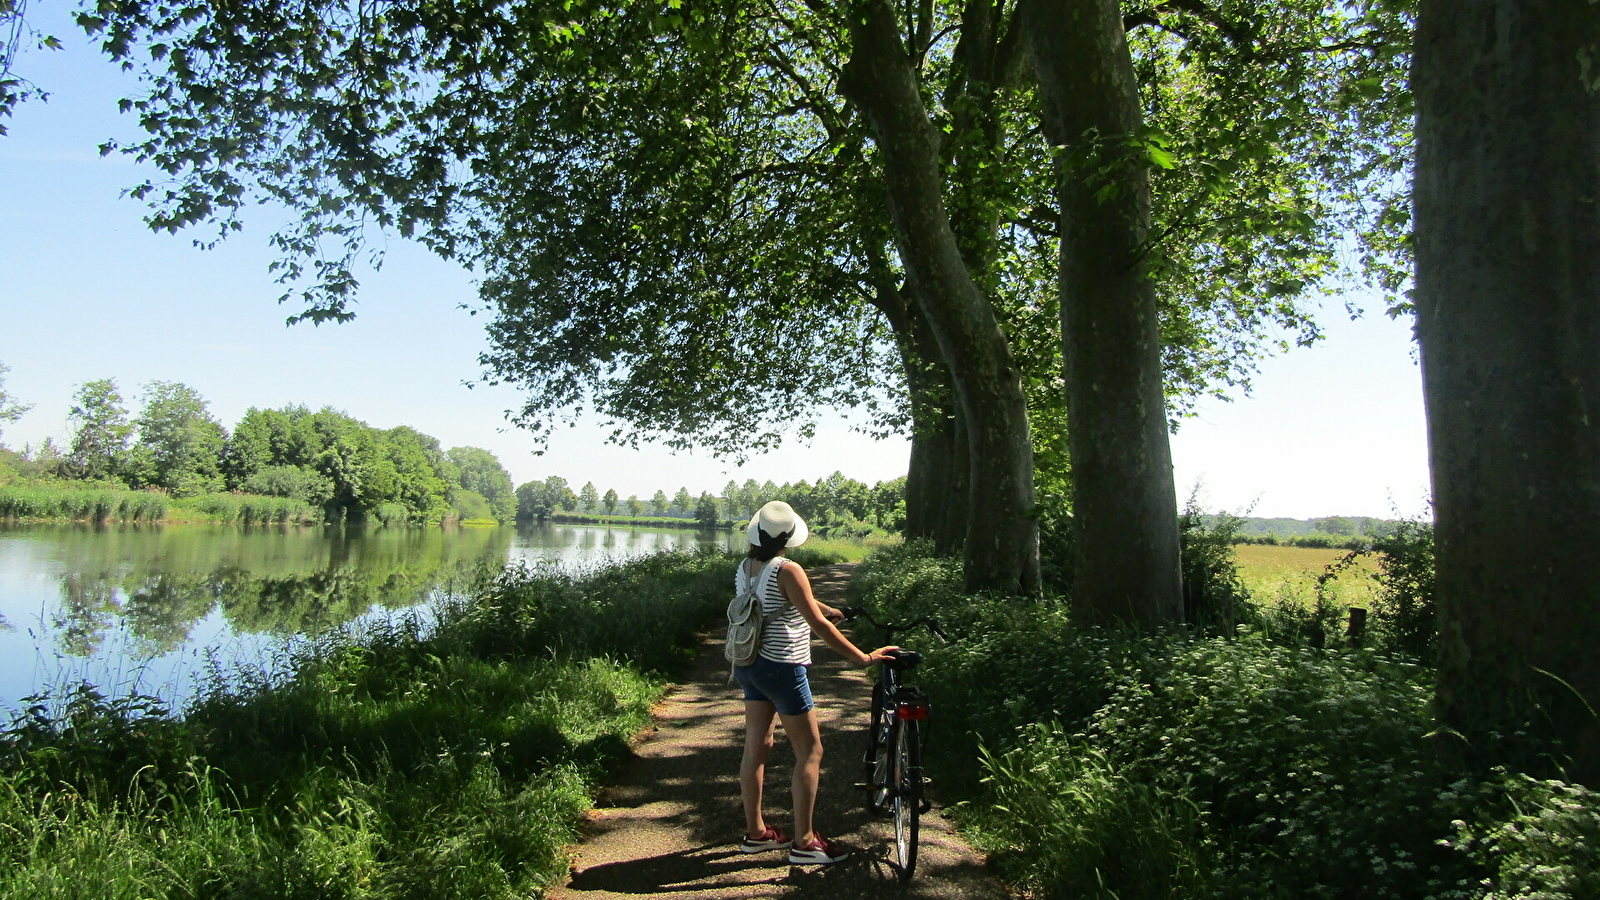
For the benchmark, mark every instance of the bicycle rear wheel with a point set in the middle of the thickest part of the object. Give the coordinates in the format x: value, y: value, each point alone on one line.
x: 906, y: 772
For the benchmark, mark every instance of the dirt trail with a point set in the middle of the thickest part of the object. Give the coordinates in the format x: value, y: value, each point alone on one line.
x: 670, y: 825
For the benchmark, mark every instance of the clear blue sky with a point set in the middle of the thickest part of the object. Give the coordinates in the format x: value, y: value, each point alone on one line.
x: 87, y: 292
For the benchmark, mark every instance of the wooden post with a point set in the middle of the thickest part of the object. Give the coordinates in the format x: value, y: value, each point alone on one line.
x: 1358, y: 626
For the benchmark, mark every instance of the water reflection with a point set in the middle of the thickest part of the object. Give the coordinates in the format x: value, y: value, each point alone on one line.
x: 125, y: 598
x: 159, y: 582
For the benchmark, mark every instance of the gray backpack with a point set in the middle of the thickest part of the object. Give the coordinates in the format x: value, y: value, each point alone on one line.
x: 745, y: 619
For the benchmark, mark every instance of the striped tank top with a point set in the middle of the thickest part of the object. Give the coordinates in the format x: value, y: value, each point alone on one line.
x: 787, y: 636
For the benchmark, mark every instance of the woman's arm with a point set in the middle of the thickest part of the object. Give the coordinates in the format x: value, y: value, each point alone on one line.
x: 797, y: 588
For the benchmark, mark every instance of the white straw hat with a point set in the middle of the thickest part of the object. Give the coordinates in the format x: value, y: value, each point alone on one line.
x: 776, y: 518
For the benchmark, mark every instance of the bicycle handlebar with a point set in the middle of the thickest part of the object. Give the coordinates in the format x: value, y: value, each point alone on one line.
x: 852, y: 612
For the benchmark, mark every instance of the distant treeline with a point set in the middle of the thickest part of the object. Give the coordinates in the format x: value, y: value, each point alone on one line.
x: 833, y: 505
x: 323, y: 465
x: 1346, y: 532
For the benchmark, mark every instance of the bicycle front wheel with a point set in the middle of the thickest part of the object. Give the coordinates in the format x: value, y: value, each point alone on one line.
x: 880, y: 749
x: 906, y: 748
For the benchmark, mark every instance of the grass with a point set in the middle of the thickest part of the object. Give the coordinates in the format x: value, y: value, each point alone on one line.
x: 90, y: 503
x: 823, y: 551
x: 448, y: 760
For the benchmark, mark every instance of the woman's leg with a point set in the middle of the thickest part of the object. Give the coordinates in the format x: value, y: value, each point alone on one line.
x: 758, y: 722
x: 806, y: 740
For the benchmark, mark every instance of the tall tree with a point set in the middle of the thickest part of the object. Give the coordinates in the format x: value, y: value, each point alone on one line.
x: 1508, y: 318
x: 609, y: 500
x: 705, y: 510
x: 180, y: 443
x: 101, y: 430
x: 1125, y: 504
x: 533, y: 501
x: 1001, y: 541
x: 589, y: 498
x: 561, y: 494
x: 10, y: 408
x: 482, y: 472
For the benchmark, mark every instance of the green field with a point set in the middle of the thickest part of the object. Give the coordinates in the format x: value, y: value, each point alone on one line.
x: 1276, y: 574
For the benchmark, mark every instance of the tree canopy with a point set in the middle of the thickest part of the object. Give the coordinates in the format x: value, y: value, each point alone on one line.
x: 662, y: 170
x: 686, y: 217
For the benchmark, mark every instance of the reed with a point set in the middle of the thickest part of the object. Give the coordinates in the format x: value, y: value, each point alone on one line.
x: 80, y: 504
x: 251, y: 509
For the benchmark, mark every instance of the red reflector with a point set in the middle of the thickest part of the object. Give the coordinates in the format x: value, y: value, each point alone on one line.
x: 911, y: 713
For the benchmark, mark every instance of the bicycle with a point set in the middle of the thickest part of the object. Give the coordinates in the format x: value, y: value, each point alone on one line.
x: 893, y: 761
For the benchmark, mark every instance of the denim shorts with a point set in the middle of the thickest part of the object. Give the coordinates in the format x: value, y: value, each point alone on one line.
x: 784, y: 685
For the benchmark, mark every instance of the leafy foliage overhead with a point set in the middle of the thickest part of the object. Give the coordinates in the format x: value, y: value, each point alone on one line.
x: 681, y: 222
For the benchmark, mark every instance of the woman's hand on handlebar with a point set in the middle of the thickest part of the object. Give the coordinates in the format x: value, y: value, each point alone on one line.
x: 882, y: 654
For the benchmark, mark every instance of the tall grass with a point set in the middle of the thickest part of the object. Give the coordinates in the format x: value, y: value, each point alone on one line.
x: 109, y: 504
x: 91, y: 504
x: 446, y: 759
x: 250, y: 509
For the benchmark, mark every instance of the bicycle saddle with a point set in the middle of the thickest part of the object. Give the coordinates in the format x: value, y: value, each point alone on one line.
x: 904, y: 659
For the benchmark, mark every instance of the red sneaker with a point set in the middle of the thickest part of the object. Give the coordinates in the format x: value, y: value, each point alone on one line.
x: 771, y: 839
x: 820, y: 851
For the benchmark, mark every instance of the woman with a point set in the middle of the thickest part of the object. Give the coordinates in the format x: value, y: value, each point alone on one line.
x: 775, y: 684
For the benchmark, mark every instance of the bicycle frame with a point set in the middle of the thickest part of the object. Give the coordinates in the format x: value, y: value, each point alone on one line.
x: 893, y: 760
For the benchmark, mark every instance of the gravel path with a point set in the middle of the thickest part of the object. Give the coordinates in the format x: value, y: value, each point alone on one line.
x: 670, y: 825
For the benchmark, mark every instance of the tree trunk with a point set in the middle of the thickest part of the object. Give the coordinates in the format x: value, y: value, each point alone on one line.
x: 1507, y: 204
x: 936, y: 482
x: 1125, y: 507
x: 1002, y: 543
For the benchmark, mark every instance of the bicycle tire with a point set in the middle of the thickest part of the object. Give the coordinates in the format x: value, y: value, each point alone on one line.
x: 907, y: 794
x: 876, y: 762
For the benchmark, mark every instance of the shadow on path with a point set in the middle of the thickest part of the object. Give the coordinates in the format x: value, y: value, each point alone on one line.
x: 670, y: 824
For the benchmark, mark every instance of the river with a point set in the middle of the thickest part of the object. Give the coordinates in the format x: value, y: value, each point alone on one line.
x: 153, y: 609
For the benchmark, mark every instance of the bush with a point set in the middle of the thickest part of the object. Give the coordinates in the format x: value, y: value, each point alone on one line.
x: 1214, y: 596
x: 300, y: 482
x: 391, y: 515
x: 1535, y: 839
x: 1118, y: 764
x: 1406, y: 611
x: 1404, y: 614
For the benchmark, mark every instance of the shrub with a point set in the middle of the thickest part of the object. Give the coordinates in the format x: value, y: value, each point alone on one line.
x: 1404, y: 614
x: 1067, y: 821
x: 1532, y: 838
x: 391, y: 514
x: 1406, y: 609
x: 249, y: 509
x: 1214, y: 596
x: 1182, y: 764
x: 300, y: 482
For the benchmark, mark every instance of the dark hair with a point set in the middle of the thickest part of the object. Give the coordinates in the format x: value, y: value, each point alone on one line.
x: 770, y: 546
